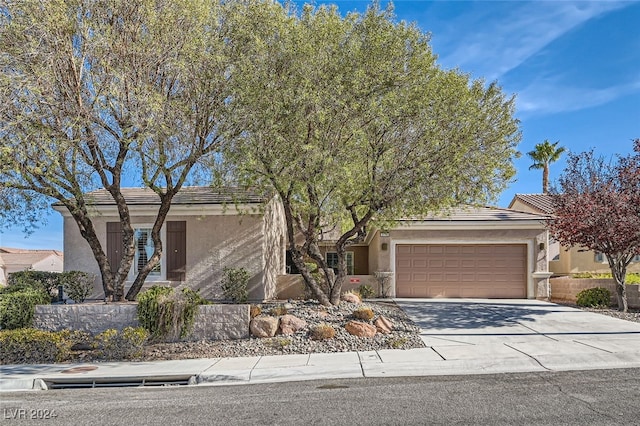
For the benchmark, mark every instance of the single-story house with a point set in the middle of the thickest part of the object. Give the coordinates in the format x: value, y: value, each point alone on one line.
x: 468, y: 252
x: 480, y: 252
x: 16, y: 260
x: 563, y: 261
x: 205, y: 231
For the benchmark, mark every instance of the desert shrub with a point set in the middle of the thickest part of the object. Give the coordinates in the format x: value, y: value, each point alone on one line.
x: 125, y: 344
x: 594, y: 297
x: 254, y: 311
x: 366, y: 291
x: 168, y: 314
x: 31, y: 346
x: 17, y: 307
x: 234, y: 284
x: 78, y: 285
x: 364, y: 313
x: 397, y: 342
x: 278, y: 342
x: 47, y: 281
x: 279, y: 310
x: 322, y: 332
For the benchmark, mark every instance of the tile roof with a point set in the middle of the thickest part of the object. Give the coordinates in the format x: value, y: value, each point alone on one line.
x: 26, y: 259
x: 187, y: 195
x: 471, y: 214
x: 20, y: 250
x: 541, y: 202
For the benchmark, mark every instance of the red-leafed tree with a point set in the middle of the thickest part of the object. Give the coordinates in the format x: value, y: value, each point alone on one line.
x: 597, y: 206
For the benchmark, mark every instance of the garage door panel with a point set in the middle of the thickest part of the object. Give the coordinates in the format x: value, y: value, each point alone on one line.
x: 419, y: 263
x: 452, y: 263
x: 465, y: 270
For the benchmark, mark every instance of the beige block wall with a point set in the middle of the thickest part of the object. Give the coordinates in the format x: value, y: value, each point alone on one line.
x: 292, y: 286
x: 565, y: 289
x: 213, y: 242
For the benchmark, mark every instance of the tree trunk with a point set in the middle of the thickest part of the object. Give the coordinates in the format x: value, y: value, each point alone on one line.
x: 621, y: 289
x: 141, y: 276
x: 88, y: 232
x: 308, y: 278
x: 621, y: 294
x: 298, y: 256
x: 545, y: 179
x: 336, y: 288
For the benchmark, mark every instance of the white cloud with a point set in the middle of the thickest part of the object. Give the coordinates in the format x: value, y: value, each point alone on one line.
x: 490, y: 45
x: 548, y: 97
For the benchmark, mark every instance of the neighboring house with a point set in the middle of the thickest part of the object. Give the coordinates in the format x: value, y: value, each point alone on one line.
x: 15, y: 260
x: 473, y: 253
x: 563, y: 261
x: 205, y: 231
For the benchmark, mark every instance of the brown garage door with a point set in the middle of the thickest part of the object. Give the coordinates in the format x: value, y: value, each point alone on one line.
x: 457, y: 270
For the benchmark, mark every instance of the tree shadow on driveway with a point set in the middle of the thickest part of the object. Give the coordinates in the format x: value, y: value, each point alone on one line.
x: 471, y: 315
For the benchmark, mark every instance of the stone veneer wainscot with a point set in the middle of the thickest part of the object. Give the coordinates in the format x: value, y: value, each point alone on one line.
x: 213, y: 322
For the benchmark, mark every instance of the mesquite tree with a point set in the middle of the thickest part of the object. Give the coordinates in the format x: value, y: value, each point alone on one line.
x: 96, y: 92
x: 350, y: 120
x: 597, y: 207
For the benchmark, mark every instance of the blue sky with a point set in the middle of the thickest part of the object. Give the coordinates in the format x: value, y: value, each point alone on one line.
x: 574, y: 67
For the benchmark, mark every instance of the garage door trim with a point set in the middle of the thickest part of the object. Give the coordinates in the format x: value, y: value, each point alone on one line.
x: 527, y: 242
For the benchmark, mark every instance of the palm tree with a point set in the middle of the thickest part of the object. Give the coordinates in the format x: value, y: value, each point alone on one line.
x: 544, y: 154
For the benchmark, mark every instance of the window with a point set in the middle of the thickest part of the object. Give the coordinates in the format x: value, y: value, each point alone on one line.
x: 144, y: 251
x: 599, y: 257
x: 172, y: 267
x: 332, y: 261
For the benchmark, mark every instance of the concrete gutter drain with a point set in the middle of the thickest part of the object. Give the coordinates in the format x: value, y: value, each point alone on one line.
x: 114, y: 382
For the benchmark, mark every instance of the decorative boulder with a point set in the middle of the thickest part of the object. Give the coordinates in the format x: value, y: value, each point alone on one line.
x: 289, y: 324
x: 360, y: 329
x: 351, y: 298
x: 383, y: 325
x: 263, y: 326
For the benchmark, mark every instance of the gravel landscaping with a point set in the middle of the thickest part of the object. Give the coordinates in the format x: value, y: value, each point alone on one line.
x: 405, y: 335
x: 631, y: 315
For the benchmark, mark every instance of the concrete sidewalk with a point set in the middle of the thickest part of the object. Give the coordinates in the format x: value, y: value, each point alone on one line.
x: 463, y: 337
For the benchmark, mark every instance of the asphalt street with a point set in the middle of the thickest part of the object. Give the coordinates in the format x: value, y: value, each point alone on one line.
x: 603, y: 397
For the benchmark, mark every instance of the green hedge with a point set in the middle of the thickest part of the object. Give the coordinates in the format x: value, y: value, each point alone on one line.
x: 46, y: 281
x: 17, y: 307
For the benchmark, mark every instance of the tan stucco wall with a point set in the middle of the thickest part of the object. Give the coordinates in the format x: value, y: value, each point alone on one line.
x: 584, y: 261
x: 213, y: 242
x: 574, y: 259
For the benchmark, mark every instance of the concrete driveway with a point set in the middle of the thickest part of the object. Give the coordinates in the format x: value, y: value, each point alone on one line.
x: 521, y: 331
